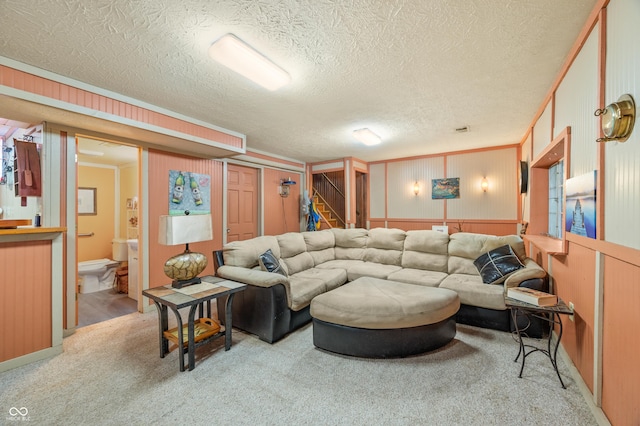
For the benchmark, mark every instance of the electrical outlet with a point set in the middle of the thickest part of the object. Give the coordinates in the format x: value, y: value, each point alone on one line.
x: 571, y: 307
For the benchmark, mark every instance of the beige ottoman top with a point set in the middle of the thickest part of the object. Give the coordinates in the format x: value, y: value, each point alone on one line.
x: 382, y: 304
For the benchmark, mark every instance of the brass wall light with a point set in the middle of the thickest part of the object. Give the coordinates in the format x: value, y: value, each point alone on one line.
x: 617, y: 119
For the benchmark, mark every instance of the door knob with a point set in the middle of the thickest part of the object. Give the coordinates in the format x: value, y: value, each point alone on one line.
x: 228, y: 230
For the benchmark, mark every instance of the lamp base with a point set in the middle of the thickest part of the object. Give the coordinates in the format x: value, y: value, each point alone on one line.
x: 185, y: 283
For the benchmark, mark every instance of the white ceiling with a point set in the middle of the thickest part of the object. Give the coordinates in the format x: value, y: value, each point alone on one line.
x: 411, y: 70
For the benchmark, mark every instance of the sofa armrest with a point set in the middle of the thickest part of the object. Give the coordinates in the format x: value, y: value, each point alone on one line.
x: 531, y: 270
x: 254, y: 277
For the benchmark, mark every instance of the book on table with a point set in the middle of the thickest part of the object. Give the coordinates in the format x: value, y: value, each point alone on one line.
x: 535, y: 297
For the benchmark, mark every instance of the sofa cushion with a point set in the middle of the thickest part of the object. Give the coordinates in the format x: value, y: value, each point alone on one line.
x: 320, y: 245
x: 425, y: 249
x: 383, y: 256
x: 349, y: 253
x: 496, y: 265
x: 418, y: 277
x: 386, y: 238
x: 291, y: 244
x: 268, y: 262
x: 340, y: 264
x: 303, y: 290
x: 319, y: 240
x: 474, y: 292
x: 369, y: 269
x: 333, y: 278
x: 350, y: 238
x: 300, y: 262
x: 465, y: 247
x: 245, y: 253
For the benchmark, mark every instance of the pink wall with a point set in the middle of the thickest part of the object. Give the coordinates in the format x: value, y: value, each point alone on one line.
x: 281, y: 214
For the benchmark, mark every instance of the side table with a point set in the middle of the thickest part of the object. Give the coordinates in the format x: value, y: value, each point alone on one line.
x: 193, y: 297
x: 551, y: 314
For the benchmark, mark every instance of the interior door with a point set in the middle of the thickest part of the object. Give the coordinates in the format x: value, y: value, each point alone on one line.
x: 361, y: 200
x: 242, y: 203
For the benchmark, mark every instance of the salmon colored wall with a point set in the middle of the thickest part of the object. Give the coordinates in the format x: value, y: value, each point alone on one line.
x: 25, y: 298
x: 574, y: 281
x: 620, y: 367
x: 160, y: 163
x: 281, y: 214
x: 103, y: 223
x: 62, y: 92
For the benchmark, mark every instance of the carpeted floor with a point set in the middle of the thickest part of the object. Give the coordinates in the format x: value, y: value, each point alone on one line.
x: 111, y: 373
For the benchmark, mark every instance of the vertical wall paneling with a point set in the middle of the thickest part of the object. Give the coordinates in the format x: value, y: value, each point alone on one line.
x: 620, y: 367
x: 402, y: 201
x: 281, y: 214
x: 377, y: 185
x: 575, y: 101
x: 542, y: 131
x: 525, y: 155
x: 500, y: 169
x: 159, y: 165
x: 622, y: 160
x: 25, y: 298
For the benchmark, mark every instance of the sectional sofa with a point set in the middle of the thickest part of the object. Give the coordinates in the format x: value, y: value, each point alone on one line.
x: 312, y: 263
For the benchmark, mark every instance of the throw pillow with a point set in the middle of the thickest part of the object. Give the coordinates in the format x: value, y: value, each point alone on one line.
x: 496, y: 265
x: 268, y: 262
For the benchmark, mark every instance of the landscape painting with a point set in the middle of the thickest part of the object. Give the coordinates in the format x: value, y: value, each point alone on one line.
x: 580, y: 217
x: 445, y: 188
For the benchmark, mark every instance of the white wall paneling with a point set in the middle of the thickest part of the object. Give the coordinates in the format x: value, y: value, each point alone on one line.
x: 622, y: 160
x: 316, y: 168
x: 526, y: 156
x: 576, y: 101
x: 377, y: 192
x: 500, y: 167
x: 402, y: 175
x: 542, y: 131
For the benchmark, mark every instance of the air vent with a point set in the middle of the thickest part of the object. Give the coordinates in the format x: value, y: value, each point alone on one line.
x: 462, y: 129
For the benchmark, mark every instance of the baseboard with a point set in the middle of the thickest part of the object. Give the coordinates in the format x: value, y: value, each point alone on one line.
x: 597, y: 412
x: 29, y: 358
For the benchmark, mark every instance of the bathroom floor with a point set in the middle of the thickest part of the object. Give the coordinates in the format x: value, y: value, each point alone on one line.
x: 103, y: 305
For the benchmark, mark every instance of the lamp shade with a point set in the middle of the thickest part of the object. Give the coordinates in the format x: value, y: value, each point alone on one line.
x: 176, y: 230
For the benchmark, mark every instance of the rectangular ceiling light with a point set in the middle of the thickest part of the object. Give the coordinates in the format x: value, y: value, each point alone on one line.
x: 367, y: 137
x: 233, y: 53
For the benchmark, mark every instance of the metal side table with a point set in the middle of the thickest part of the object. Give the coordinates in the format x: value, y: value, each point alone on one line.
x: 193, y: 297
x: 551, y: 314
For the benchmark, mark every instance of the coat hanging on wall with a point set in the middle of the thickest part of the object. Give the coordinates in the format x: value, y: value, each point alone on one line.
x: 27, y: 173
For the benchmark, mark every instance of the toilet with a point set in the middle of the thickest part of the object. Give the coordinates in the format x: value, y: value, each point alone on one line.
x: 99, y: 274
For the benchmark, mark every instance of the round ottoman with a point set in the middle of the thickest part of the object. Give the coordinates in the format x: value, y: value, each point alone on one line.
x: 375, y: 318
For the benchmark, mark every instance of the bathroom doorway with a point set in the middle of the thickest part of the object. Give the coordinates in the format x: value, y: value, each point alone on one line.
x: 107, y: 229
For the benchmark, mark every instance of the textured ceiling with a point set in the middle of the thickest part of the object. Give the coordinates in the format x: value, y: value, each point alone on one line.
x: 412, y: 70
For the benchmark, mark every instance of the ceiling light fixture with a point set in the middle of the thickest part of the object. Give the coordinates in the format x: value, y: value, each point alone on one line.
x: 367, y: 137
x: 233, y: 53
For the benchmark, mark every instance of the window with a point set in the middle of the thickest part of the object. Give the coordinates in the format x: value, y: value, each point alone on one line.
x: 556, y: 216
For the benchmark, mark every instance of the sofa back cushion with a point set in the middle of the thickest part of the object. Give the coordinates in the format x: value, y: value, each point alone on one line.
x: 291, y: 244
x: 246, y: 253
x: 350, y: 243
x: 465, y: 247
x: 298, y: 263
x: 385, y: 246
x: 426, y: 250
x: 320, y: 245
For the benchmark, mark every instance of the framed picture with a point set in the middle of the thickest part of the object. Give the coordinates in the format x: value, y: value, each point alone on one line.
x: 87, y: 201
x: 445, y: 188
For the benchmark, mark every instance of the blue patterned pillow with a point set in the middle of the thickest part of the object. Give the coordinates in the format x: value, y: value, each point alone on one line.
x: 268, y: 262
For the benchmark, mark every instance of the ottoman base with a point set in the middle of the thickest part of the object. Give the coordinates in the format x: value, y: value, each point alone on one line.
x: 382, y: 343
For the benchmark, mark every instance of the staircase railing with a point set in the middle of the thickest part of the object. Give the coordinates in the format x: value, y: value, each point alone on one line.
x: 334, y: 214
x: 331, y: 193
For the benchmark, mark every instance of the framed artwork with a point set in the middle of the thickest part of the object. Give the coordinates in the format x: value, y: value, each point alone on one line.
x: 87, y: 201
x: 445, y: 188
x: 580, y: 217
x: 189, y: 191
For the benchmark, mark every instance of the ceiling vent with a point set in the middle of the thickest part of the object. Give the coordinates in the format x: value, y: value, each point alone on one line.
x: 463, y: 129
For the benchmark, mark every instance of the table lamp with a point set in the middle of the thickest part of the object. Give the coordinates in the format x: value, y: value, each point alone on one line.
x: 184, y: 268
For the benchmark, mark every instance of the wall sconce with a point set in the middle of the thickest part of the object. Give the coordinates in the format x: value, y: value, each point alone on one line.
x: 416, y: 188
x: 617, y: 119
x: 484, y: 184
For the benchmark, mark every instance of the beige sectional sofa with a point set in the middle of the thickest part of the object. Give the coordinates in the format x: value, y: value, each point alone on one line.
x: 317, y: 262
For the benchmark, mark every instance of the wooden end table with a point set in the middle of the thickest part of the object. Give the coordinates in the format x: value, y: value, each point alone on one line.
x: 197, y: 332
x: 551, y: 314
